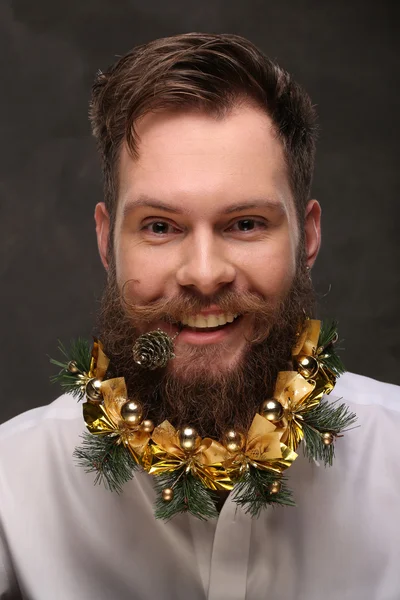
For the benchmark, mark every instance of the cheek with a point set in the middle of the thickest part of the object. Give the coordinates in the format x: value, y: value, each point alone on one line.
x: 141, y: 265
x: 271, y: 270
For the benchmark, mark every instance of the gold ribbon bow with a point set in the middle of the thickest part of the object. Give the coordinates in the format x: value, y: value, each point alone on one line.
x: 296, y: 396
x: 98, y: 366
x: 205, y: 462
x: 307, y: 345
x: 263, y: 450
x: 105, y: 418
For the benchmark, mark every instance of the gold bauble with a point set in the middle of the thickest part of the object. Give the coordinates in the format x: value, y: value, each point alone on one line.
x: 167, y: 494
x: 73, y: 367
x: 92, y: 390
x: 272, y: 410
x: 147, y: 426
x: 275, y: 487
x: 233, y: 440
x: 307, y: 366
x: 189, y: 439
x: 132, y: 412
x: 327, y: 438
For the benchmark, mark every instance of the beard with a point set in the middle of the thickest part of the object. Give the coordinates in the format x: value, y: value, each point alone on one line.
x: 186, y: 391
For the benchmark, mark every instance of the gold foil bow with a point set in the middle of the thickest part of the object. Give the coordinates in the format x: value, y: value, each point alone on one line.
x: 263, y: 450
x: 98, y: 366
x: 307, y: 345
x: 296, y: 396
x: 105, y: 418
x: 205, y: 462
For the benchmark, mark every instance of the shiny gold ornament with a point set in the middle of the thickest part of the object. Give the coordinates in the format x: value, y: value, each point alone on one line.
x: 148, y: 425
x: 327, y: 438
x: 165, y: 455
x: 132, y: 412
x: 275, y: 487
x: 233, y: 441
x: 93, y: 390
x: 167, y: 494
x: 189, y: 439
x: 272, y: 410
x: 73, y: 367
x: 307, y: 366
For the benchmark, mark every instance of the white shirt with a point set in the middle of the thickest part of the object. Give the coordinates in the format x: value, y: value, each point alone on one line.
x: 62, y: 538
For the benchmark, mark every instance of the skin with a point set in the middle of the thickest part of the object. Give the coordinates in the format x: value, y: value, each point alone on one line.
x: 230, y: 218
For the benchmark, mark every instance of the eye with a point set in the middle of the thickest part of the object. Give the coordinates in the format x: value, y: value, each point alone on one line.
x: 158, y: 227
x: 247, y: 225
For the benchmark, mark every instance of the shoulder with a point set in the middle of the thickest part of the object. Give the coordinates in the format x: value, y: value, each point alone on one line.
x: 63, y: 410
x: 43, y: 431
x: 364, y: 391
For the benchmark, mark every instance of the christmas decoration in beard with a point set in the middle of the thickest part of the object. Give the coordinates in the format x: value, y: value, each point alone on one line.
x: 188, y: 470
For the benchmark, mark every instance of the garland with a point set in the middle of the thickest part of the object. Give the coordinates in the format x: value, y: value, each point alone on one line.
x: 188, y: 470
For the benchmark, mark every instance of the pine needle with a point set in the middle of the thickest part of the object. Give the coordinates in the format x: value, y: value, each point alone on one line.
x: 113, y: 463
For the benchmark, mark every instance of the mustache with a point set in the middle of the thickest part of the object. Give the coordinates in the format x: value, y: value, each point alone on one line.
x: 173, y: 309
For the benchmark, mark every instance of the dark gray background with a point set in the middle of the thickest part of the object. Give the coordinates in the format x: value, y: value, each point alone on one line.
x: 344, y: 53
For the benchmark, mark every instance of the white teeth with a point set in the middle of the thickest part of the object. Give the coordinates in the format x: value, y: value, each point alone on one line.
x: 212, y: 321
x: 202, y: 322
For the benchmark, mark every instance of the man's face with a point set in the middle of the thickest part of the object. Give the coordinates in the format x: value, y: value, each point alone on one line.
x: 206, y: 208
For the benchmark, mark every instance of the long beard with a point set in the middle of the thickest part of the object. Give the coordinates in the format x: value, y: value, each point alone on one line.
x: 210, y: 402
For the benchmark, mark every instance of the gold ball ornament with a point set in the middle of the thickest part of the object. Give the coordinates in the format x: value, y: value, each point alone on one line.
x: 272, y: 410
x: 327, y: 438
x: 167, y: 494
x: 307, y: 366
x: 132, y: 412
x: 189, y: 439
x: 73, y: 367
x: 275, y: 487
x: 233, y: 440
x: 93, y: 390
x: 147, y: 426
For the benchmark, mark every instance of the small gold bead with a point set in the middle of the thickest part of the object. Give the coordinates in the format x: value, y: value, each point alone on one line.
x: 272, y: 410
x: 73, y: 367
x: 147, y: 425
x: 275, y: 487
x: 327, y: 438
x: 132, y: 412
x: 93, y: 390
x: 233, y: 441
x: 167, y: 494
x: 307, y: 366
x: 189, y: 439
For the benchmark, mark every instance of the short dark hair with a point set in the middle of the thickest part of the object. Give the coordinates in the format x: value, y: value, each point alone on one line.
x: 211, y: 72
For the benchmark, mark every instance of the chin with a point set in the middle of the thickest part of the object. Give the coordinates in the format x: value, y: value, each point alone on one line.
x: 207, y: 363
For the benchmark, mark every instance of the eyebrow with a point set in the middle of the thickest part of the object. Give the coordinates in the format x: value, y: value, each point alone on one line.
x: 148, y: 202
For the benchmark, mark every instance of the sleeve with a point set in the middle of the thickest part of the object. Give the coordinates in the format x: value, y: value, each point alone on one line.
x: 9, y: 589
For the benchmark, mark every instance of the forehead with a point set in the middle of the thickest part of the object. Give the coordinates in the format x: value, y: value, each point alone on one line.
x: 199, y: 162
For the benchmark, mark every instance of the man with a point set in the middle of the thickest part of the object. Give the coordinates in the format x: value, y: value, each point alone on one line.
x: 208, y: 233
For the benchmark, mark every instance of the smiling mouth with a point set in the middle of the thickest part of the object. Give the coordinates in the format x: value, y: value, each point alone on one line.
x: 201, y: 324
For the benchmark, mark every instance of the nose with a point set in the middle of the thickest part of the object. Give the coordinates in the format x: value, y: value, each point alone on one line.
x: 205, y: 264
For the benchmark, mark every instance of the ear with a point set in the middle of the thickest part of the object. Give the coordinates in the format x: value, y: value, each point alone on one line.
x: 312, y: 227
x: 102, y: 219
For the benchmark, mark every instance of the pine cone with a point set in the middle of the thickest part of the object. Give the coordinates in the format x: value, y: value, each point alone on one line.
x: 153, y: 350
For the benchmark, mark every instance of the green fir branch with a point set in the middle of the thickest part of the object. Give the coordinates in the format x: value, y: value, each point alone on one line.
x: 253, y: 491
x: 327, y: 337
x: 326, y: 417
x: 80, y: 352
x: 112, y: 462
x: 190, y: 495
